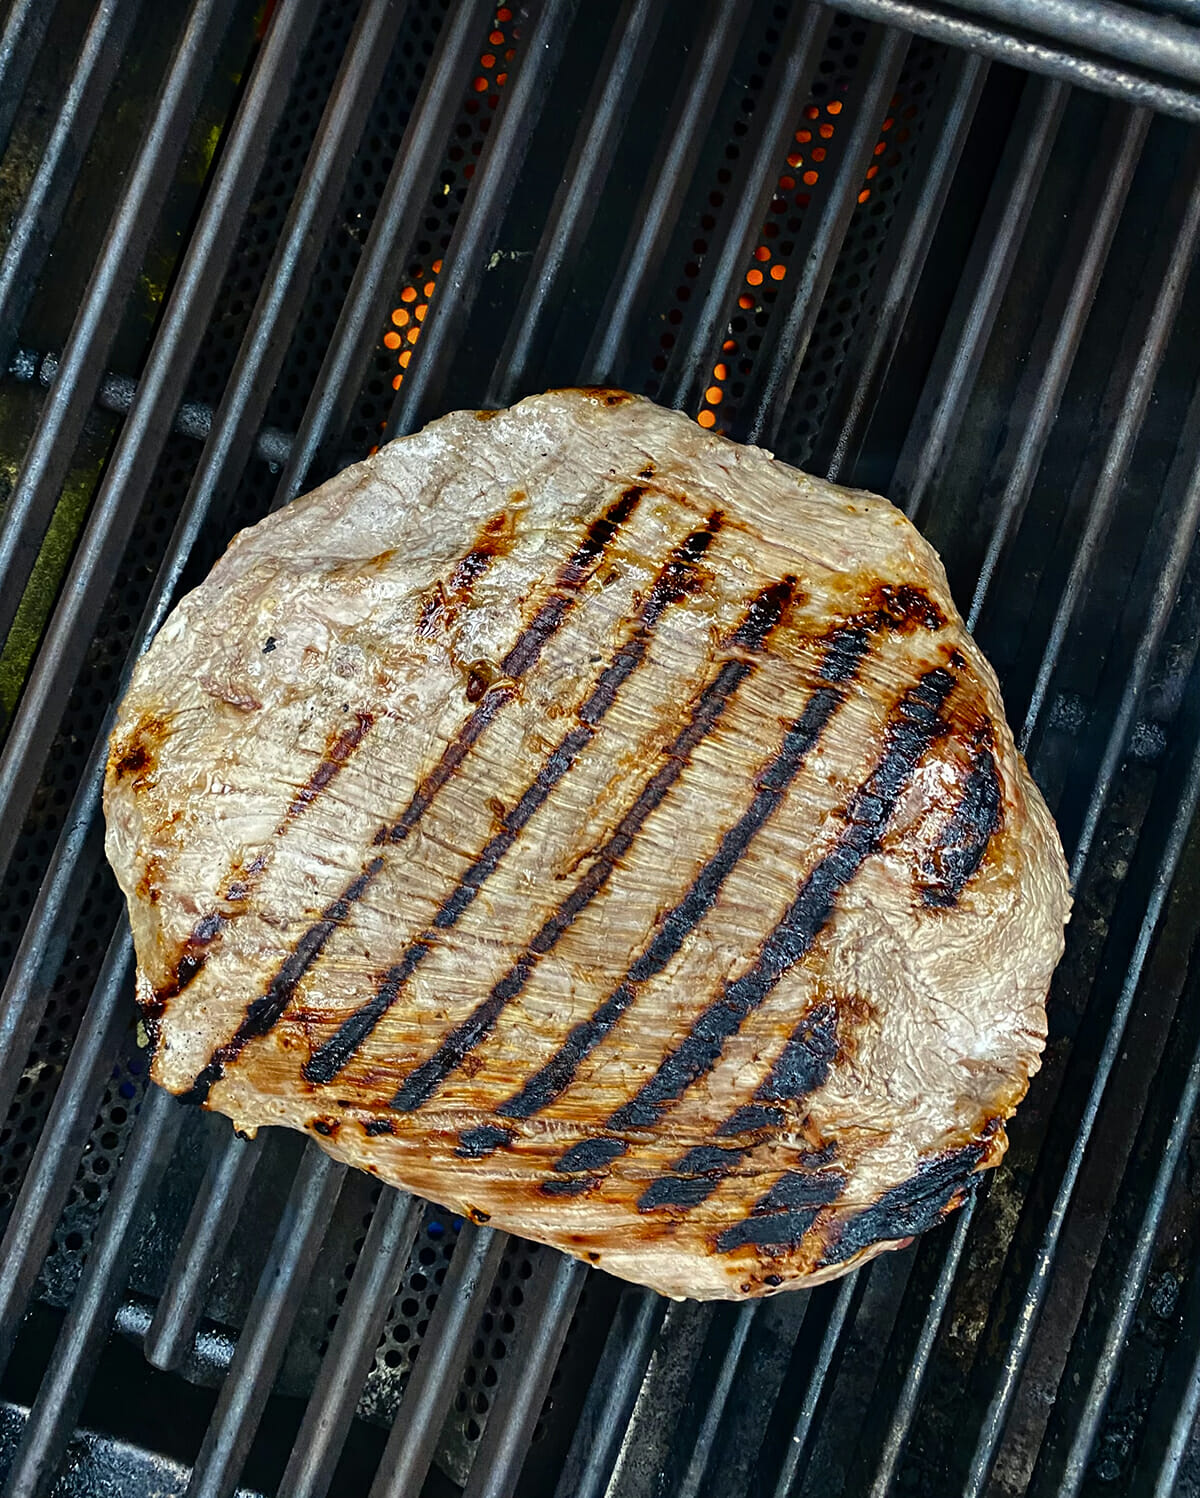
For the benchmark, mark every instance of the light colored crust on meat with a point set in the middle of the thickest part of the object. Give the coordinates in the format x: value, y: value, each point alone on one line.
x: 292, y: 704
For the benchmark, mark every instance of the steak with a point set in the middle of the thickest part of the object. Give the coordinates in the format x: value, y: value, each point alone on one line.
x: 600, y: 828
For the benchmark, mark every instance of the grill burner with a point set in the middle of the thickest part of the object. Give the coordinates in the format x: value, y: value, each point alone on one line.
x: 238, y: 244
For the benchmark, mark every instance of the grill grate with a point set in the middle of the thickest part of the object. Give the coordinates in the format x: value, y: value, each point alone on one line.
x: 220, y: 221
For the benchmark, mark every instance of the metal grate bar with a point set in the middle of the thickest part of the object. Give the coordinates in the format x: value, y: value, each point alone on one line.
x: 1167, y: 570
x: 335, y: 1395
x: 1084, y: 1394
x: 432, y: 1383
x: 130, y: 470
x: 596, y: 1445
x: 265, y: 343
x: 52, y: 1170
x: 60, y: 425
x: 41, y: 214
x: 935, y: 1310
x: 790, y: 1472
x: 853, y: 404
x: 1173, y: 1414
x: 27, y: 988
x: 1034, y: 1292
x: 268, y: 1324
x: 695, y: 1440
x: 1023, y: 52
x: 286, y: 283
x: 401, y: 208
x: 65, y: 1383
x: 1180, y: 1438
x: 984, y: 280
x: 1052, y: 359
x: 873, y: 1474
x: 691, y: 111
x: 787, y: 338
x: 772, y: 125
x: 1165, y: 45
x: 1127, y: 400
x: 605, y: 114
x: 476, y: 230
x: 21, y: 40
x: 550, y: 1304
x: 170, y: 1335
x: 914, y: 1375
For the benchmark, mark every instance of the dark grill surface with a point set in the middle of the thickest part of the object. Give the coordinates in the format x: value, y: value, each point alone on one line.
x: 239, y: 243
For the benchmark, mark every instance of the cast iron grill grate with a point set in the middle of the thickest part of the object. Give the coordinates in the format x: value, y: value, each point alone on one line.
x: 271, y: 231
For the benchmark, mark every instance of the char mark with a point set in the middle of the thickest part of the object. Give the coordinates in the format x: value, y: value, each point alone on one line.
x: 569, y: 1185
x: 442, y: 603
x: 336, y: 755
x: 474, y: 1144
x: 494, y: 540
x: 910, y: 1208
x: 678, y: 577
x: 843, y: 657
x: 211, y: 927
x: 800, y: 1069
x: 695, y: 1176
x: 133, y: 762
x: 264, y: 1012
x: 804, y: 1063
x: 747, y: 1119
x: 571, y: 577
x: 953, y: 862
x: 137, y: 759
x: 912, y: 727
x: 681, y: 1193
x: 782, y: 1218
x: 328, y: 1060
x: 193, y: 957
x: 764, y: 614
x: 903, y: 605
x: 591, y: 1155
x: 421, y: 1084
x: 374, y: 1126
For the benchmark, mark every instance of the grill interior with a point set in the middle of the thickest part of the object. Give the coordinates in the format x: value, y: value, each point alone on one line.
x: 239, y: 245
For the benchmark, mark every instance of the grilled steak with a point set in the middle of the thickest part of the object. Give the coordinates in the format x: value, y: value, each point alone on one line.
x: 601, y: 828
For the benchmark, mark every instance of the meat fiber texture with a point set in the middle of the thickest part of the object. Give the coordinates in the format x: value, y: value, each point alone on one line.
x: 602, y: 829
